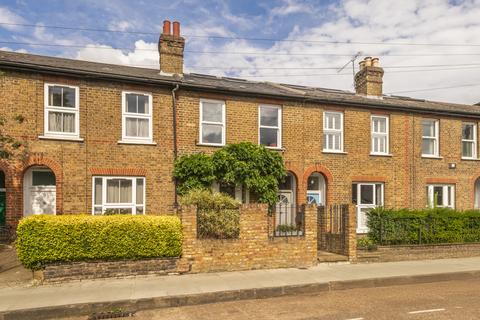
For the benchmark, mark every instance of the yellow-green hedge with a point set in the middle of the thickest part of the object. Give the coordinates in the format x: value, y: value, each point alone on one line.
x: 45, y: 239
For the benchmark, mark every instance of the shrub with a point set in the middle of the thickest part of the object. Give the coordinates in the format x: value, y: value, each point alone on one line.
x: 218, y: 216
x: 46, y: 239
x: 366, y: 243
x: 436, y: 225
x: 255, y: 167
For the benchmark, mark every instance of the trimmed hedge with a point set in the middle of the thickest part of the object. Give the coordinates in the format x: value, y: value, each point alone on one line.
x: 218, y: 216
x: 437, y: 225
x: 46, y: 239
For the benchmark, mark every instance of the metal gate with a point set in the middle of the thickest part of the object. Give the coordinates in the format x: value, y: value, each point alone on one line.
x: 332, y: 228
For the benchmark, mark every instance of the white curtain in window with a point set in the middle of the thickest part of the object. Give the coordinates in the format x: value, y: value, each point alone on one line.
x: 61, y: 122
x: 137, y: 127
x: 119, y: 191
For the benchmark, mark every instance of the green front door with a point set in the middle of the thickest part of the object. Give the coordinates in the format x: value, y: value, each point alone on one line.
x: 2, y: 208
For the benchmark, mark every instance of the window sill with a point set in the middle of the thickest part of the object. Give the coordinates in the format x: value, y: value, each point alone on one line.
x: 431, y: 157
x: 381, y: 154
x: 334, y: 152
x: 210, y: 145
x: 275, y: 148
x: 470, y: 159
x: 63, y: 138
x: 146, y: 143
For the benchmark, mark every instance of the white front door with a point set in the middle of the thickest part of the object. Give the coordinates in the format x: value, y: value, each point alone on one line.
x: 39, y: 191
x: 369, y: 196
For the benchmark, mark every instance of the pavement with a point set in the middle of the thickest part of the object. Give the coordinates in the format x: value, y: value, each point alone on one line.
x: 12, y: 273
x: 439, y: 301
x: 143, y: 293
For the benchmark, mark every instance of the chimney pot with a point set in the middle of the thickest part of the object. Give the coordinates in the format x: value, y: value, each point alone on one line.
x: 176, y: 29
x: 362, y: 64
x: 375, y: 62
x: 166, y: 27
x: 368, y: 61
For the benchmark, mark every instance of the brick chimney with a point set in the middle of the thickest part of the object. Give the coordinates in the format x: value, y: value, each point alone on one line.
x: 170, y: 47
x: 368, y: 80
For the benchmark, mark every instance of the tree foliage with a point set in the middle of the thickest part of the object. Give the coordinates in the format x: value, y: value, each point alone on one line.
x: 255, y: 167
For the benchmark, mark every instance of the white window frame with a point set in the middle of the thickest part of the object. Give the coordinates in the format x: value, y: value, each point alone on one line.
x: 360, y: 205
x: 327, y: 131
x: 448, y: 190
x: 75, y: 111
x: 202, y: 122
x: 436, y: 139
x: 278, y: 128
x: 106, y: 205
x: 385, y: 135
x: 149, y: 117
x: 474, y: 141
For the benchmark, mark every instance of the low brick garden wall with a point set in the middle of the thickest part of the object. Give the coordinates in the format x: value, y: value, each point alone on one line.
x: 62, y: 272
x: 419, y: 252
x: 254, y: 249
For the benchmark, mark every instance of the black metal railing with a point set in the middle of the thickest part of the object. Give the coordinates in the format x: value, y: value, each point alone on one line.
x: 7, y: 234
x: 288, y: 220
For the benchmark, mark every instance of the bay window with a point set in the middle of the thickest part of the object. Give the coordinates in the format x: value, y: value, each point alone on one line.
x: 118, y: 195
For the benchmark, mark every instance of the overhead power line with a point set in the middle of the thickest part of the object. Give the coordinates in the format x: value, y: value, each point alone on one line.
x: 249, y: 38
x: 103, y: 47
x: 437, y: 88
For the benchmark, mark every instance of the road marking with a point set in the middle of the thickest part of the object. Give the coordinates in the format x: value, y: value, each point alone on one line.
x: 426, y: 311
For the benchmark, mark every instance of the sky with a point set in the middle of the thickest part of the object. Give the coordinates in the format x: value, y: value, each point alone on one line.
x: 430, y: 49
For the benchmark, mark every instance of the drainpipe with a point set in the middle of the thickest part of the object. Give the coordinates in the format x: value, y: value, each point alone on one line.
x: 175, y: 149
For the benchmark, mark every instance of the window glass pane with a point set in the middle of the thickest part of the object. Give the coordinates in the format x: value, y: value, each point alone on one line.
x: 212, y: 112
x: 428, y: 128
x: 378, y: 194
x: 332, y: 141
x: 332, y: 120
x: 268, y: 137
x: 438, y: 195
x: 55, y: 96
x: 428, y: 146
x: 212, y: 133
x: 61, y: 122
x: 97, y: 211
x: 125, y: 191
x: 135, y: 127
x: 113, y: 191
x: 43, y: 178
x: 286, y: 184
x: 139, y: 210
x: 98, y: 191
x: 142, y: 104
x: 379, y: 125
x: 131, y: 100
x: 68, y: 97
x: 140, y: 187
x: 354, y: 193
x: 313, y: 183
x: 2, y: 180
x: 269, y: 116
x: 467, y: 149
x: 366, y: 194
x: 467, y: 132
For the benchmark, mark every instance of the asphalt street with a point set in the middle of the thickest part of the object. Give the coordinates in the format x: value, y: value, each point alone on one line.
x: 441, y: 300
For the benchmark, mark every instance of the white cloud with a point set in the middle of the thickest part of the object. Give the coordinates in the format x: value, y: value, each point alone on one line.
x: 12, y: 50
x: 121, y: 25
x: 389, y: 23
x: 7, y: 16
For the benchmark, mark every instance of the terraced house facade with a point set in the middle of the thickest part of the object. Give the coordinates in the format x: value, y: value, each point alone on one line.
x: 104, y: 137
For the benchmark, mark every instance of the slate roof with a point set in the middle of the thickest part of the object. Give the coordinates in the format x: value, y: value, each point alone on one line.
x: 37, y: 63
